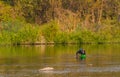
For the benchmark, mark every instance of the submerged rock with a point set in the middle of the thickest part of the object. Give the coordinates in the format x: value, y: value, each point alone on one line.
x: 47, y: 69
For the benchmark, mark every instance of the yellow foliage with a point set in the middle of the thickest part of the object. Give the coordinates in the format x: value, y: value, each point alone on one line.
x: 6, y: 12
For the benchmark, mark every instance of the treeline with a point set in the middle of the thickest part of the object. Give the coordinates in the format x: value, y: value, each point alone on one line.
x: 42, y: 11
x: 60, y: 21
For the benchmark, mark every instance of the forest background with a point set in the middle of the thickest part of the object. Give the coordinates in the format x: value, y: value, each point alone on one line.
x: 59, y: 21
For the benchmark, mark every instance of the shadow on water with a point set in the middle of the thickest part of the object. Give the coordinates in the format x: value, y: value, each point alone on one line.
x: 59, y: 61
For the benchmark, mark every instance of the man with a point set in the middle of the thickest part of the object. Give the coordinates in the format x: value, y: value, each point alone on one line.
x: 81, y: 53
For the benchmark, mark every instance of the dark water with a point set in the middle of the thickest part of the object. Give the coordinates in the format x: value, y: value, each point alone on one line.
x: 28, y: 61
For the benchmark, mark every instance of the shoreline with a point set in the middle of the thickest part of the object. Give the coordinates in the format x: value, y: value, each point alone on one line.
x: 52, y: 43
x: 58, y: 43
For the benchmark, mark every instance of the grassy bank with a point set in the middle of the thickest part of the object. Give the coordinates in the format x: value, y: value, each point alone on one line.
x: 16, y: 32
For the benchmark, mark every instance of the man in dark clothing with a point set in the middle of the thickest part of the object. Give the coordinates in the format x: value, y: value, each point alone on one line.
x: 80, y: 53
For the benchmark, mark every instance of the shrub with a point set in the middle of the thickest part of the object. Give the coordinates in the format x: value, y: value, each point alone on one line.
x: 50, y: 30
x: 61, y: 37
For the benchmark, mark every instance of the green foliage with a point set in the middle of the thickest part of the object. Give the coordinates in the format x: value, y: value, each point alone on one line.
x: 9, y: 30
x: 61, y: 37
x: 27, y: 34
x: 16, y: 32
x: 76, y: 37
x: 98, y: 21
x: 50, y: 30
x: 4, y: 38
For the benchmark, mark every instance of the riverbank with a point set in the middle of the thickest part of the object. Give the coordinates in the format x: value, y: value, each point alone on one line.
x: 46, y: 23
x: 51, y: 43
x: 50, y: 33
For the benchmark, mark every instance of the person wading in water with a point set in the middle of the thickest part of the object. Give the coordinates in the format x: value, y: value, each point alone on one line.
x: 81, y: 54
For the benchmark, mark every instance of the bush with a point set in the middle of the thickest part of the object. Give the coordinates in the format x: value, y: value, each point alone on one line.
x: 50, y: 30
x: 75, y: 37
x: 61, y: 37
x: 16, y: 32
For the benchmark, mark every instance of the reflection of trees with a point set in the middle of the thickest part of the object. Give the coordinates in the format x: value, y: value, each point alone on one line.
x: 102, y: 54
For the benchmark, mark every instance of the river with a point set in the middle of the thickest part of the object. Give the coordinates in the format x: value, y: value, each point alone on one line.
x: 29, y: 61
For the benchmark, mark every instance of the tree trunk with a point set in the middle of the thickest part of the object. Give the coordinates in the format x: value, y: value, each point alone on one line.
x: 93, y: 16
x: 100, y: 11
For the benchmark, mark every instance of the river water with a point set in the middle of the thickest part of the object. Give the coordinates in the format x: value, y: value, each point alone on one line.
x: 59, y: 61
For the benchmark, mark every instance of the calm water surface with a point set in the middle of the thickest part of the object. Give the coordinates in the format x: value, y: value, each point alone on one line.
x: 27, y: 61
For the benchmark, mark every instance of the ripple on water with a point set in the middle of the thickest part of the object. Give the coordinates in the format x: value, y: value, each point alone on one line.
x: 85, y: 69
x: 66, y: 70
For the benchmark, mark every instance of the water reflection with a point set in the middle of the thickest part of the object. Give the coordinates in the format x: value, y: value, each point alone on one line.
x: 26, y: 61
